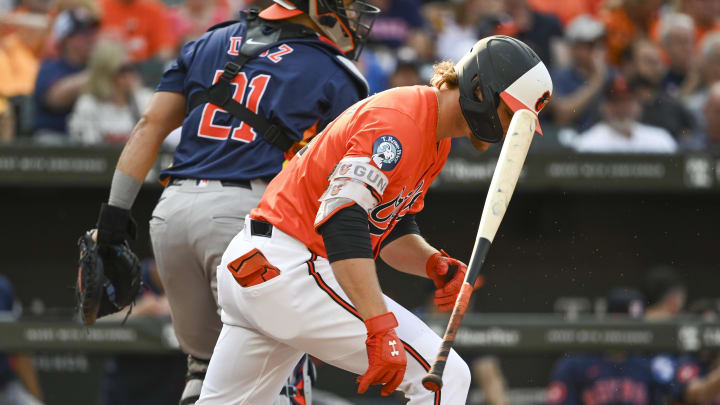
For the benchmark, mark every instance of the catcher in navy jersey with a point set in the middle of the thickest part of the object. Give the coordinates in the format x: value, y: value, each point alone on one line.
x: 246, y: 94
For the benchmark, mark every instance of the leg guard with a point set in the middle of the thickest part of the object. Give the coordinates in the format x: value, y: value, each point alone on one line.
x: 193, y: 380
x: 298, y: 387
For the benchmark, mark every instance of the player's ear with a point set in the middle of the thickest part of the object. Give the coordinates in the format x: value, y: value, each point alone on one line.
x: 478, y: 94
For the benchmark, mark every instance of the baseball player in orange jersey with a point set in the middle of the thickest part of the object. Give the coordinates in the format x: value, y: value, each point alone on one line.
x: 300, y: 277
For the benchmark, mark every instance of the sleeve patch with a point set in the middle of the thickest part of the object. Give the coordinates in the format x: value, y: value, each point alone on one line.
x: 352, y: 190
x: 387, y: 151
x: 361, y: 170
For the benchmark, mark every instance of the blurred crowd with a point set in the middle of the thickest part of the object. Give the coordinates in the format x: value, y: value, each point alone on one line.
x: 637, y: 76
x: 628, y: 377
x: 623, y: 377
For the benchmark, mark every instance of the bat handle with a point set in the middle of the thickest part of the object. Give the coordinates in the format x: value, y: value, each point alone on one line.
x: 433, y: 379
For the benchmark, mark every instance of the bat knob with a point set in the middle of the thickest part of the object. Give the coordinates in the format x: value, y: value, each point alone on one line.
x: 432, y: 382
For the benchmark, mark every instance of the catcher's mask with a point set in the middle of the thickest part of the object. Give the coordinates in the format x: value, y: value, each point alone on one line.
x: 500, y: 67
x: 346, y: 25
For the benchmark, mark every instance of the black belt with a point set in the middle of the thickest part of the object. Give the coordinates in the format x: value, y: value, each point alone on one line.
x: 225, y: 183
x: 260, y: 228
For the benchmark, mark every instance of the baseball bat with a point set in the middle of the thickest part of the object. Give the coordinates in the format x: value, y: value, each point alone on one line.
x: 509, y: 166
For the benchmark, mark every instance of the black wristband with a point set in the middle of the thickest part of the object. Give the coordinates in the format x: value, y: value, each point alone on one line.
x: 347, y: 235
x: 406, y: 226
x: 114, y: 225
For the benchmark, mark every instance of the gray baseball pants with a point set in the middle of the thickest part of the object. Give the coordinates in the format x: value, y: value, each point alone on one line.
x: 190, y: 228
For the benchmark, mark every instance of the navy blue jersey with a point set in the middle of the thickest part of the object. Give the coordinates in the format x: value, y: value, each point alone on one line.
x: 47, y: 117
x: 685, y: 369
x: 301, y: 84
x: 599, y: 380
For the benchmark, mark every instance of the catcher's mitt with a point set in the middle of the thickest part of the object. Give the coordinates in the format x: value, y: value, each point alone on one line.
x: 109, y: 277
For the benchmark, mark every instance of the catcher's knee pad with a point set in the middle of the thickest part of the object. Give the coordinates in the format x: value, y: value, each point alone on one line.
x: 197, y: 368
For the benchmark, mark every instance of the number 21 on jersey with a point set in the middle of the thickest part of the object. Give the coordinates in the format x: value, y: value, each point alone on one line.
x: 243, y: 132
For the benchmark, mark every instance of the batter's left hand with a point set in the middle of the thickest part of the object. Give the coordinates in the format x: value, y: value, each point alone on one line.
x: 386, y: 355
x: 448, y: 274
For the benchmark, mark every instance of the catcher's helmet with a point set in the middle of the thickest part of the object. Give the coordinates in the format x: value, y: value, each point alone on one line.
x: 502, y: 68
x: 347, y: 26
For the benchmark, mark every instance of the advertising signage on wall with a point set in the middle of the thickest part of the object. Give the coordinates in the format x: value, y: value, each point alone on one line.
x: 558, y: 170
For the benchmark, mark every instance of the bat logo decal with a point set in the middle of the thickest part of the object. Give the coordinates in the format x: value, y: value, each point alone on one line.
x: 542, y: 101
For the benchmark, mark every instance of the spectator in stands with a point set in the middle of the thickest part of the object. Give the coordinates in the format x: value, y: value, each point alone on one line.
x: 7, y: 122
x: 407, y: 73
x: 35, y: 6
x: 375, y: 71
x: 6, y: 5
x: 705, y: 13
x: 664, y: 292
x: 626, y: 21
x: 397, y: 23
x: 22, y: 39
x: 112, y: 101
x: 19, y: 384
x: 458, y: 30
x: 579, y: 88
x: 620, y: 131
x: 677, y: 37
x: 399, y: 29
x: 191, y: 18
x: 711, y: 137
x: 646, y: 71
x: 61, y: 79
x: 140, y: 379
x: 710, y: 73
x: 539, y: 30
x: 565, y: 10
x: 140, y: 24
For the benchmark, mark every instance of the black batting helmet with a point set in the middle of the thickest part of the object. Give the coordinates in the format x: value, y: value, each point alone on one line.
x: 347, y: 26
x: 502, y: 68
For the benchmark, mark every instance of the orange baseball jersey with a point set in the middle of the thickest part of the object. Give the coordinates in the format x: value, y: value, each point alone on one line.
x: 382, y: 153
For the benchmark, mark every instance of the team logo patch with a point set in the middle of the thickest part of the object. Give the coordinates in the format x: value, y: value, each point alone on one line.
x: 345, y: 168
x: 387, y: 152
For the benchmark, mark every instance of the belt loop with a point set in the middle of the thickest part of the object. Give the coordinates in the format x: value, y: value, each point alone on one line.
x: 247, y: 226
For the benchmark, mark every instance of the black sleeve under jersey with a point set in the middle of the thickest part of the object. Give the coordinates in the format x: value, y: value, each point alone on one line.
x: 347, y: 235
x: 406, y: 226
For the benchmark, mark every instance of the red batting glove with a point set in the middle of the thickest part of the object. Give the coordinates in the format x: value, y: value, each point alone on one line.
x: 386, y: 355
x: 448, y: 274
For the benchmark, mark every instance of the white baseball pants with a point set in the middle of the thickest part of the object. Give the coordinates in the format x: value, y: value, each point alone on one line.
x: 267, y: 328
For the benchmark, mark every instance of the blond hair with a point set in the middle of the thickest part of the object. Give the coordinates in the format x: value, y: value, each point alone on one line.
x: 107, y: 58
x: 444, y: 74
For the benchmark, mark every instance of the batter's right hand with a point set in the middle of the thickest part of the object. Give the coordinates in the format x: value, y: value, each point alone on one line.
x: 386, y: 355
